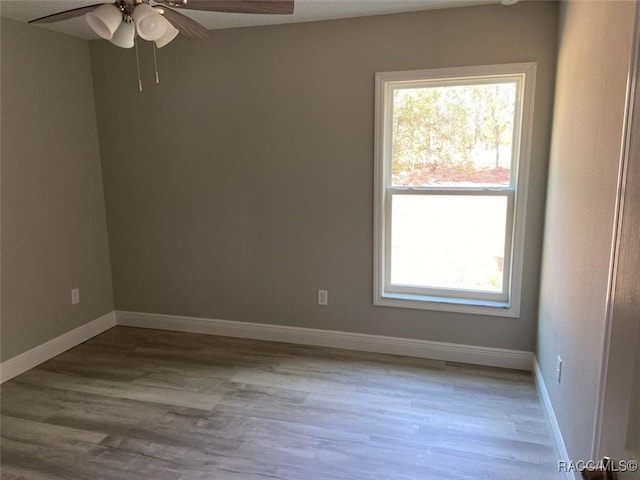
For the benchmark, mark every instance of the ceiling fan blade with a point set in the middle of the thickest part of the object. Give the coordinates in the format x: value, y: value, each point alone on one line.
x: 74, y: 12
x: 188, y: 27
x: 274, y: 7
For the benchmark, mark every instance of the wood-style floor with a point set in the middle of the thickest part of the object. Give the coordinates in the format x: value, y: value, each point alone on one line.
x: 136, y: 404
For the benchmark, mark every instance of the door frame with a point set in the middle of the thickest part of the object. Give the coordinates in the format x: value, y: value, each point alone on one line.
x: 622, y: 322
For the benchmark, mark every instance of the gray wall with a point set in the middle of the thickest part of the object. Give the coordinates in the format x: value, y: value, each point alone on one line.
x: 244, y: 181
x: 54, y: 234
x: 594, y: 48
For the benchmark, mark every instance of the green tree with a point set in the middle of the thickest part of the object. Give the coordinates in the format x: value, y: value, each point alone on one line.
x: 448, y: 128
x: 430, y: 130
x: 495, y: 104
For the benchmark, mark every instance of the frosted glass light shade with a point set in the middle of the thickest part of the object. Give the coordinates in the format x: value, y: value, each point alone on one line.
x: 149, y: 23
x: 171, y: 33
x: 125, y: 35
x: 105, y: 20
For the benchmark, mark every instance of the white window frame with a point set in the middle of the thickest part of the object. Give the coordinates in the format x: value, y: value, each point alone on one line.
x: 385, y: 294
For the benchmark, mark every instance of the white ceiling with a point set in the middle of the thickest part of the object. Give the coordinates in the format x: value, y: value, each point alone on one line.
x: 305, y: 11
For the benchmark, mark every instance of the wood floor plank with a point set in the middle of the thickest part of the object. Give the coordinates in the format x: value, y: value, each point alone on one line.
x: 135, y: 403
x: 126, y: 390
x: 40, y: 433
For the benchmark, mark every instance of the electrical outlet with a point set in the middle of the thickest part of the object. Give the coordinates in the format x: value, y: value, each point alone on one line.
x: 75, y: 296
x: 559, y: 369
x: 323, y: 297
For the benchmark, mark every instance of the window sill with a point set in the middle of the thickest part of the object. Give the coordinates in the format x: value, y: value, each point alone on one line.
x: 443, y: 304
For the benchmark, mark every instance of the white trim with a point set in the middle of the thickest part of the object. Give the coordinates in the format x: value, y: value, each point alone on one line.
x: 459, y: 73
x: 37, y: 355
x: 441, y: 304
x: 552, y: 420
x: 494, y: 357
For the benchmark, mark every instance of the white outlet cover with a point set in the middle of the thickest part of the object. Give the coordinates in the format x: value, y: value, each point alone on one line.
x: 323, y: 297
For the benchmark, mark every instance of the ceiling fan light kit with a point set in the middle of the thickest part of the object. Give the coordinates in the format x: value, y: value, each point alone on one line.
x: 125, y: 35
x: 170, y: 33
x: 104, y: 20
x: 124, y: 20
x: 150, y: 25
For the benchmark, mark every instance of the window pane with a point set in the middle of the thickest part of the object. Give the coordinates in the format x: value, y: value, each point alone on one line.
x: 453, y: 135
x: 448, y: 241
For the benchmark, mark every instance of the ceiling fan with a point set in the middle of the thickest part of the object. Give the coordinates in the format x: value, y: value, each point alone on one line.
x: 186, y: 26
x: 159, y: 21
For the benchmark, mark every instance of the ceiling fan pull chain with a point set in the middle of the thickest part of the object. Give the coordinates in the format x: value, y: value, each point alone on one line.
x: 155, y: 63
x: 135, y: 42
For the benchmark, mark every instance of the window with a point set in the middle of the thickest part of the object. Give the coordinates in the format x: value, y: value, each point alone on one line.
x: 452, y: 152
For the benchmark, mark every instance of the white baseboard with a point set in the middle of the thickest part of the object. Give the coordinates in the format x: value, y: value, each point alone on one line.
x: 495, y: 357
x: 34, y: 357
x: 552, y: 420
